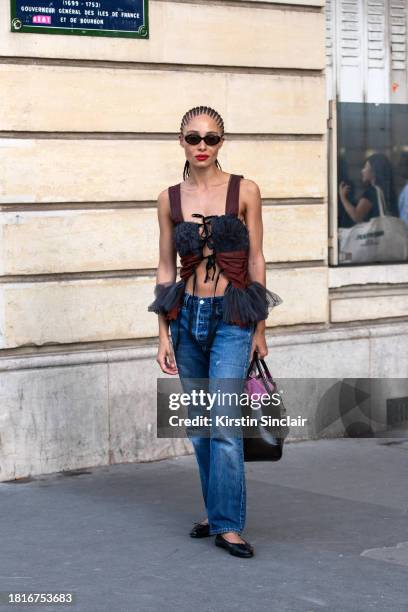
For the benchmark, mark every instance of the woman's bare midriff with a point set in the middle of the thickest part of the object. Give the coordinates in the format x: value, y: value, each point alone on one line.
x: 203, y: 289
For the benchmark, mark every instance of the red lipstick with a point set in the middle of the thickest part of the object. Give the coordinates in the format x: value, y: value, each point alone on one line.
x: 202, y: 157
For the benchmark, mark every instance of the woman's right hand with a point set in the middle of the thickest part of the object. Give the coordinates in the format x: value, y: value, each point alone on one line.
x: 165, y: 357
x: 344, y: 190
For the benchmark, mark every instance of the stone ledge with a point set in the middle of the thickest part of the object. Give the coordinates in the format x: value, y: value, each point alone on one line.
x: 142, y: 352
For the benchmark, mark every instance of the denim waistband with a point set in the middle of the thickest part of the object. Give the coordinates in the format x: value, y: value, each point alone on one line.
x: 190, y: 298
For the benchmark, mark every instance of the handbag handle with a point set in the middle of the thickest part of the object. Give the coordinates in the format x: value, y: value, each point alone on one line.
x: 382, y: 207
x: 251, y: 365
x: 258, y: 360
x: 261, y: 362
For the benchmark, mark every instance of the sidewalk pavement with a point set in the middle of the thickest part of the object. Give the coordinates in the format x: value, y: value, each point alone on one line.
x: 329, y: 524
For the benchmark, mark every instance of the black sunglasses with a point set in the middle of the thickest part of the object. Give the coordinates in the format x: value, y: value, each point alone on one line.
x: 209, y: 139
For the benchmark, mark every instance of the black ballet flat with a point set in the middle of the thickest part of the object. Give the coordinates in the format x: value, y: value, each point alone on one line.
x: 238, y: 550
x: 200, y: 530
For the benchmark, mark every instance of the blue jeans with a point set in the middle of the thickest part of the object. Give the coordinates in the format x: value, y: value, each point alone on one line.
x: 220, y: 455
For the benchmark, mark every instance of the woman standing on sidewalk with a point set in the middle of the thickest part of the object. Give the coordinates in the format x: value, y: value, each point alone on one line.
x: 216, y: 325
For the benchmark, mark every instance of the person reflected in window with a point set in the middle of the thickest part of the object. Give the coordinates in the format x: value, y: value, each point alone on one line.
x: 377, y: 171
x: 403, y: 197
x: 343, y: 218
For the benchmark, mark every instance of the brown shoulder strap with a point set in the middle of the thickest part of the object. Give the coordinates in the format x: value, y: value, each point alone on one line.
x: 175, y: 203
x: 232, y: 205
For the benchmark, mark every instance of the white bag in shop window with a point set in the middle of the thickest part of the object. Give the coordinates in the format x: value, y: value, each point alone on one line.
x: 383, y: 238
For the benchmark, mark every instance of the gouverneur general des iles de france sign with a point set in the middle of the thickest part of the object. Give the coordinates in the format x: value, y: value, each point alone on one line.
x: 125, y: 18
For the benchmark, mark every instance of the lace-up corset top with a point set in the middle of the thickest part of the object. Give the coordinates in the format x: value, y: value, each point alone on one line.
x: 220, y: 233
x: 244, y: 302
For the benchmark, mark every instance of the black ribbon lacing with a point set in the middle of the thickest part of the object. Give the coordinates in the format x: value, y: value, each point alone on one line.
x: 211, y: 264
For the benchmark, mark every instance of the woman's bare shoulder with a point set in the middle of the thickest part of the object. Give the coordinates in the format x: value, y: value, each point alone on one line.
x: 163, y: 204
x: 250, y: 190
x: 163, y: 195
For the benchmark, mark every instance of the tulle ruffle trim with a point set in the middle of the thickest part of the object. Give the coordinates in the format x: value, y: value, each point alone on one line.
x: 167, y: 296
x: 228, y: 233
x: 248, y: 305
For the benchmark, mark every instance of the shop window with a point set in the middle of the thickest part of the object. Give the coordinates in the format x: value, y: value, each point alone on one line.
x: 372, y: 183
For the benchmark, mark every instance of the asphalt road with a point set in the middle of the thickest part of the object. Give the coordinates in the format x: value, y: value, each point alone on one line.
x: 329, y: 524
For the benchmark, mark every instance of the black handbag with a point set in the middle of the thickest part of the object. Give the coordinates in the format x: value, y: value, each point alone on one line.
x: 263, y: 442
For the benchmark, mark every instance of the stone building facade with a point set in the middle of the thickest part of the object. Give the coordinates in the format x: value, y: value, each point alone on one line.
x: 88, y: 140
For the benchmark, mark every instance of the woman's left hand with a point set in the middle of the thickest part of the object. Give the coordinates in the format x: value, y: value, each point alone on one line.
x: 259, y: 345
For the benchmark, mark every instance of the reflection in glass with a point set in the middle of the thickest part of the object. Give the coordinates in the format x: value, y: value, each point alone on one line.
x: 372, y: 182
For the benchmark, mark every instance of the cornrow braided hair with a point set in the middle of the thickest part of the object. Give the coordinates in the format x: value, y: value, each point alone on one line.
x: 193, y: 112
